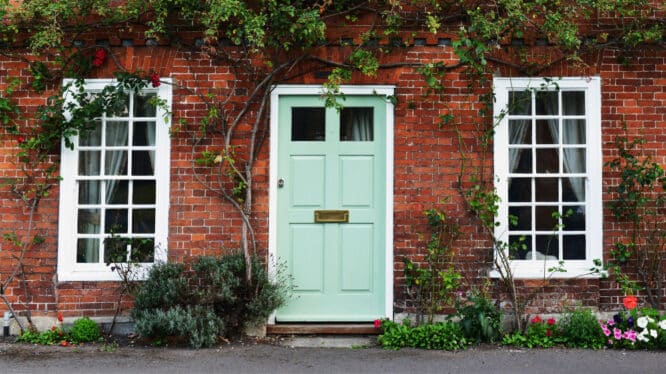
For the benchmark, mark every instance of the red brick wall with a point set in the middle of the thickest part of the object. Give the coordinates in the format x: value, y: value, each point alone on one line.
x: 427, y: 162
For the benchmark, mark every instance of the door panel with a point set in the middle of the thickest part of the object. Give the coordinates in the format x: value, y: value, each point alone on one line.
x: 332, y: 160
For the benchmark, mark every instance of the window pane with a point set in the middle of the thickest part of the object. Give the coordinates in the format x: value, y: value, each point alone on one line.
x: 520, y: 189
x: 91, y: 136
x: 116, y: 221
x: 573, y: 131
x: 543, y: 216
x: 116, y: 133
x: 143, y: 107
x: 547, y: 160
x: 88, y: 221
x: 356, y: 124
x: 547, y: 131
x: 144, y: 133
x: 574, y: 160
x: 143, y: 221
x: 573, y: 189
x: 573, y: 218
x: 520, y: 247
x: 115, y: 249
x: 120, y: 107
x: 89, y: 162
x: 142, y: 162
x: 546, y: 103
x: 520, y: 160
x: 522, y: 218
x: 143, y: 250
x: 547, y: 247
x: 144, y: 192
x: 520, y: 132
x: 117, y: 192
x: 115, y: 163
x: 573, y: 247
x: 89, y: 192
x: 87, y: 250
x: 573, y: 103
x: 520, y: 102
x: 308, y: 124
x: 546, y: 189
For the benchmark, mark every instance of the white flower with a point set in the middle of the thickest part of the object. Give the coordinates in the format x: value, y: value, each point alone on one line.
x: 662, y: 324
x: 651, y: 320
x: 653, y: 333
x: 642, y: 322
x: 641, y: 337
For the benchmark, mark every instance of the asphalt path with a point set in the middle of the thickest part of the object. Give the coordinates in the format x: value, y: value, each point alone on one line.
x: 272, y: 358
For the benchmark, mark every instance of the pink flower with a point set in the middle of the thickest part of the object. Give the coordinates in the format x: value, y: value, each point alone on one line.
x: 378, y: 323
x: 611, y: 322
x: 605, y: 329
x: 617, y: 333
x: 630, y: 335
x: 155, y: 79
x: 551, y: 321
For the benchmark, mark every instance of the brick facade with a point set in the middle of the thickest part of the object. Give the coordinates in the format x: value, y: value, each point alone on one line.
x: 427, y: 162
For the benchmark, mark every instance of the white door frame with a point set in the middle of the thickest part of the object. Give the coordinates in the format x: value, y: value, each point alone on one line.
x: 285, y: 90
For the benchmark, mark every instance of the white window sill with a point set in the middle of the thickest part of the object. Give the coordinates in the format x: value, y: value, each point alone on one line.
x: 539, y: 270
x: 100, y: 273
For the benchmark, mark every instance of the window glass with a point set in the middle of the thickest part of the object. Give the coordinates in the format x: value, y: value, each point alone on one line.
x: 308, y: 124
x: 357, y: 125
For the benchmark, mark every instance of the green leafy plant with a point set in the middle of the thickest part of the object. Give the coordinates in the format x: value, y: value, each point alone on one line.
x: 539, y: 333
x: 579, y: 328
x: 55, y: 335
x: 85, y: 330
x: 216, y: 301
x: 442, y: 335
x: 479, y: 317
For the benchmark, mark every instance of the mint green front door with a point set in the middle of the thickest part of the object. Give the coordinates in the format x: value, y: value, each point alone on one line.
x: 332, y: 163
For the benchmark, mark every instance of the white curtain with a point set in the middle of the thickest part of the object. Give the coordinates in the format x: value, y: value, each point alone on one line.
x: 358, y: 125
x: 518, y: 130
x: 116, y: 134
x: 150, y: 140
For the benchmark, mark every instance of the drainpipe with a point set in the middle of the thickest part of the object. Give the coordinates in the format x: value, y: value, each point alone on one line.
x: 5, y: 329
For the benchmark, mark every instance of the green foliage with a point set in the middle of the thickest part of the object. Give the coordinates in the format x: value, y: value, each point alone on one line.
x: 55, y: 335
x: 443, y: 335
x: 431, y: 284
x: 579, y: 328
x: 84, y: 330
x: 480, y: 319
x: 539, y: 333
x: 640, y: 202
x: 216, y: 301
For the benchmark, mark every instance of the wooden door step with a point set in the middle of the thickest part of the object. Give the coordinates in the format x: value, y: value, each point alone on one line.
x: 322, y: 328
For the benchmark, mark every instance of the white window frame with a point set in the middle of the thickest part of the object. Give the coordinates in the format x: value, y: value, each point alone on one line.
x: 68, y: 268
x: 537, y: 268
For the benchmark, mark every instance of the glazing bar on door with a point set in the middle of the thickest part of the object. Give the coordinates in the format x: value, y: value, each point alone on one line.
x: 331, y: 216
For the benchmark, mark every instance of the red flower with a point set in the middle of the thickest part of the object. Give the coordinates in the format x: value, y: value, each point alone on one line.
x: 100, y: 56
x: 378, y: 323
x: 155, y: 79
x: 536, y: 319
x: 59, y: 317
x: 551, y: 321
x: 53, y: 328
x: 63, y: 343
x: 20, y: 139
x: 630, y: 302
x: 549, y: 333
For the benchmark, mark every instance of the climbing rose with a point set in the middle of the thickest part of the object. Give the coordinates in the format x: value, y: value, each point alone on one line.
x: 378, y: 323
x: 100, y: 56
x: 630, y: 302
x: 20, y: 139
x: 155, y: 79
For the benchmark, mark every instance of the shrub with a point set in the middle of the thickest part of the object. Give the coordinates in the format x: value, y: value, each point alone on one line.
x: 443, y: 335
x: 85, y: 330
x: 212, y: 299
x: 579, y: 328
x: 480, y: 319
